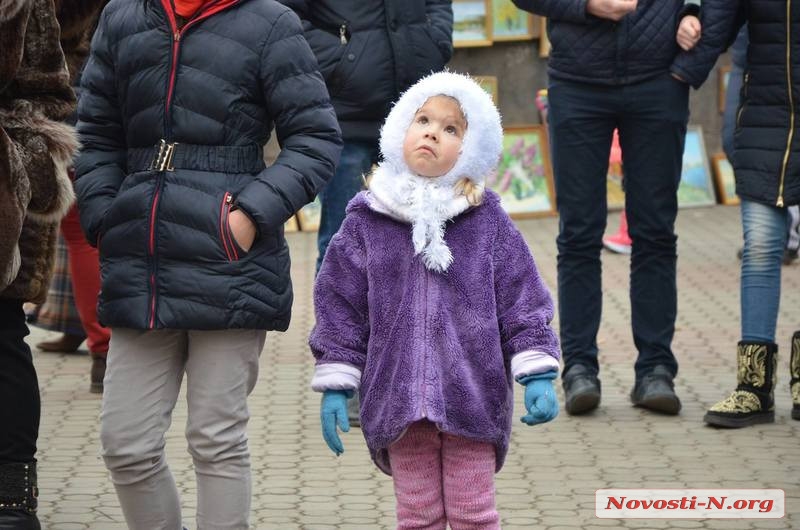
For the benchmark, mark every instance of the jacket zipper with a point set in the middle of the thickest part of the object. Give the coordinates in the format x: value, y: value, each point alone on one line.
x: 225, y: 228
x: 779, y: 202
x: 343, y: 33
x: 173, y: 71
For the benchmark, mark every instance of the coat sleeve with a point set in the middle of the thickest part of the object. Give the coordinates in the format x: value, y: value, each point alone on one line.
x: 524, y: 305
x: 566, y: 10
x: 306, y: 125
x: 720, y: 21
x: 440, y: 15
x: 101, y: 165
x: 341, y: 333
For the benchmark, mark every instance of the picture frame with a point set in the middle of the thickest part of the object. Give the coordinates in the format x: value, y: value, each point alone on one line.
x: 489, y: 84
x: 697, y: 186
x: 724, y: 180
x: 472, y: 23
x: 544, y: 40
x: 724, y: 76
x: 308, y: 217
x: 291, y: 225
x: 509, y: 23
x: 524, y: 177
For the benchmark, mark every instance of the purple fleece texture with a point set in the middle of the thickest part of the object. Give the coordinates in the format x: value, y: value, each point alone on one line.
x: 431, y: 345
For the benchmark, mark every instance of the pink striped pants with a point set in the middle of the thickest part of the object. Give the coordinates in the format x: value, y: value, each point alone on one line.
x: 440, y: 478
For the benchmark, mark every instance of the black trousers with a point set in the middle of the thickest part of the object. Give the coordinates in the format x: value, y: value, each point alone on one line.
x: 20, y: 407
x: 651, y: 117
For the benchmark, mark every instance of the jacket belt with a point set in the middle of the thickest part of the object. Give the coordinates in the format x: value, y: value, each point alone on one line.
x: 219, y: 158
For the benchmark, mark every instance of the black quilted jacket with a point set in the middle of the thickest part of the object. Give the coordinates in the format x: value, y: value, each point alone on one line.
x: 212, y: 91
x: 590, y: 49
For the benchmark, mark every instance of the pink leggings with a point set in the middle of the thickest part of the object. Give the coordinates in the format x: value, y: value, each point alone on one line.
x: 440, y: 478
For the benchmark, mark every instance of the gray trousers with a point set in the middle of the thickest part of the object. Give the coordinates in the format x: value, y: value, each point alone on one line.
x: 143, y: 378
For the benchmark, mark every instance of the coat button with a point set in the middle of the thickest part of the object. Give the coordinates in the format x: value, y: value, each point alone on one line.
x: 351, y: 56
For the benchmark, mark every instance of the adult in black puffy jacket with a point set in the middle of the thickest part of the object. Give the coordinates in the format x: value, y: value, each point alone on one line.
x: 616, y: 64
x: 369, y: 53
x: 766, y: 162
x: 178, y: 98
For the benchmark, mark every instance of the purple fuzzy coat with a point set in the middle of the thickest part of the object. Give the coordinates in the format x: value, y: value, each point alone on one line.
x: 431, y: 345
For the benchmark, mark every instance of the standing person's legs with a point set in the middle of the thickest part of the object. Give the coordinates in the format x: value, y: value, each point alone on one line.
x: 19, y: 418
x: 145, y: 370
x: 468, y: 470
x: 764, y: 229
x: 84, y: 263
x: 653, y: 122
x: 348, y: 179
x: 416, y: 461
x: 221, y: 371
x: 581, y: 124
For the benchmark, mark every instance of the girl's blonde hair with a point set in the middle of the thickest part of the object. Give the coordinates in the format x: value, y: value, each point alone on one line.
x: 470, y: 190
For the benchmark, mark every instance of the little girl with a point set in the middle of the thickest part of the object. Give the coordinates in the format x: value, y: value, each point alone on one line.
x: 428, y: 302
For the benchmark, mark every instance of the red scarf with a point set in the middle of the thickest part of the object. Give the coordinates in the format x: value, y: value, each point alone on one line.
x: 187, y: 8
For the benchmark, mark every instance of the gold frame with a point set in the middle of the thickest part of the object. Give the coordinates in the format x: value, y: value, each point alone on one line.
x: 543, y: 152
x: 717, y: 161
x: 544, y: 40
x: 528, y: 35
x: 487, y: 25
x: 308, y: 217
x: 490, y: 82
x: 723, y: 80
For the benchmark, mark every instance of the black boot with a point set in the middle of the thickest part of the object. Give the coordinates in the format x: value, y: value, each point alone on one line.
x: 18, y: 494
x: 794, y: 369
x: 753, y: 400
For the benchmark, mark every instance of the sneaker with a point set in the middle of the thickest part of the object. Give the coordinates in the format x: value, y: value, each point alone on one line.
x: 656, y: 392
x: 619, y: 243
x: 581, y: 390
x: 790, y: 255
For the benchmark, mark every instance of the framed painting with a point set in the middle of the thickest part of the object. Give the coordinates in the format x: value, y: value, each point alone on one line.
x: 524, y: 177
x: 510, y: 23
x: 308, y: 216
x: 489, y: 84
x: 544, y: 40
x: 724, y: 180
x: 472, y: 23
x: 722, y: 86
x: 696, y: 187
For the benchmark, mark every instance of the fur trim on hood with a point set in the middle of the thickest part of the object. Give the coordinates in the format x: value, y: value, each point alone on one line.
x: 428, y: 203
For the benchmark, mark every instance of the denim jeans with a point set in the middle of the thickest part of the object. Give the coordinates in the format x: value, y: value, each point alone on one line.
x: 651, y: 117
x: 765, y: 231
x: 348, y: 179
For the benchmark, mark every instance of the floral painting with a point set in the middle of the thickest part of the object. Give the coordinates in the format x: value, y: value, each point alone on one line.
x: 524, y: 177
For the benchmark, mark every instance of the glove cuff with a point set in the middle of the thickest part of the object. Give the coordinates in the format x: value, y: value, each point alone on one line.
x: 525, y: 379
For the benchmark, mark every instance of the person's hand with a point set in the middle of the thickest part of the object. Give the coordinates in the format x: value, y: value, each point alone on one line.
x: 333, y: 412
x: 610, y: 9
x: 540, y: 398
x: 689, y: 31
x: 242, y: 229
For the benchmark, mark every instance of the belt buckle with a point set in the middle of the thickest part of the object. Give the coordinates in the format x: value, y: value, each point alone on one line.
x: 162, y: 161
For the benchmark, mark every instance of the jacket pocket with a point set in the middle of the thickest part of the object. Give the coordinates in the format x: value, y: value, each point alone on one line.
x: 232, y: 250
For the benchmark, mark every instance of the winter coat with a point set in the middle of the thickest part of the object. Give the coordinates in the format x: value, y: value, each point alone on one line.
x: 429, y: 344
x: 372, y: 51
x: 640, y: 46
x: 766, y: 158
x: 172, y: 124
x: 35, y: 148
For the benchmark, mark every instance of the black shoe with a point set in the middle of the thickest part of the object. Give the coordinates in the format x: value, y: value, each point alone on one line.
x: 581, y: 390
x: 655, y: 391
x: 790, y: 255
x: 18, y: 520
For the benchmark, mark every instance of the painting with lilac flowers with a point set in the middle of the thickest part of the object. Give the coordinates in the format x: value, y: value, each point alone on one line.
x: 524, y: 178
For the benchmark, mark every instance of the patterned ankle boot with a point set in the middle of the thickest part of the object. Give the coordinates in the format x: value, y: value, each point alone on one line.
x: 753, y: 400
x: 794, y: 369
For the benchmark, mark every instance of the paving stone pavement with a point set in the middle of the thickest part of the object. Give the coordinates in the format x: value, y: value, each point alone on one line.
x: 552, y: 471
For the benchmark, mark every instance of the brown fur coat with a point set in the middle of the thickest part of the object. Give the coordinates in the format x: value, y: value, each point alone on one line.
x: 36, y: 148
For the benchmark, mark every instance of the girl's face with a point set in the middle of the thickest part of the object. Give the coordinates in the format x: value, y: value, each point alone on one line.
x: 433, y: 140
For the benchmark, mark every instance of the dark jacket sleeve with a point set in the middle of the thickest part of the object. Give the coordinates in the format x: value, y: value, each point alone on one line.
x: 720, y: 21
x: 101, y: 165
x: 440, y: 15
x: 524, y: 304
x: 568, y: 10
x: 305, y: 123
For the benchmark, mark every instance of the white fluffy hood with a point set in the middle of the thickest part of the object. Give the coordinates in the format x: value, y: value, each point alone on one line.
x: 428, y: 203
